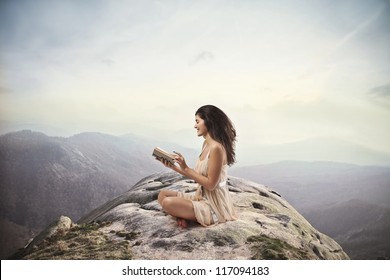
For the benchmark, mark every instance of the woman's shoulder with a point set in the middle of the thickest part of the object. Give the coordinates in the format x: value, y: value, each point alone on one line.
x: 216, y: 146
x: 218, y: 150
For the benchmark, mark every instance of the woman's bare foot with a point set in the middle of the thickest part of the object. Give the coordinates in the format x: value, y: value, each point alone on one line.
x: 182, y: 222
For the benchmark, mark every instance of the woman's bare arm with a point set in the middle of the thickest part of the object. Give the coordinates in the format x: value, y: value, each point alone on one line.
x: 213, y: 172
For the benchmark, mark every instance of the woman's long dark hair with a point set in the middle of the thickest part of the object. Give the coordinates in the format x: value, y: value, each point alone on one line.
x: 220, y: 128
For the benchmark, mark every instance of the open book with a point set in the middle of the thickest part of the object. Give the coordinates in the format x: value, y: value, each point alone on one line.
x: 161, y: 154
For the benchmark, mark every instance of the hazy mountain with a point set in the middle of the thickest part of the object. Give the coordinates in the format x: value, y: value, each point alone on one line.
x: 314, y: 149
x: 362, y: 228
x: 312, y: 184
x: 62, y: 172
x: 43, y: 177
x: 348, y: 202
x: 13, y: 237
x: 189, y: 153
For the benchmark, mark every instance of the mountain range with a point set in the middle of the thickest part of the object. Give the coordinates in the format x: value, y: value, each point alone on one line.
x: 308, y: 184
x: 44, y: 177
x: 313, y: 149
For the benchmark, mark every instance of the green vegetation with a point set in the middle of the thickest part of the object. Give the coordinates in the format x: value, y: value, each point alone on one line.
x: 82, y: 242
x: 267, y: 248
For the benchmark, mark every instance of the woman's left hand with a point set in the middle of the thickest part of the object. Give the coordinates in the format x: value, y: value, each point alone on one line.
x: 169, y: 165
x: 165, y: 162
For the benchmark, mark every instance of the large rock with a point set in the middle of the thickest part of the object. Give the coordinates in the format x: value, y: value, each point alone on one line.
x: 268, y: 226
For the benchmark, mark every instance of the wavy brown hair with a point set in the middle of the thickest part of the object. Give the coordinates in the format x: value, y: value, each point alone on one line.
x: 220, y: 128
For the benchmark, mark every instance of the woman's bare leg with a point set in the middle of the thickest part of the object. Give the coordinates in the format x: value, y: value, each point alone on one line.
x: 165, y: 193
x: 177, y: 207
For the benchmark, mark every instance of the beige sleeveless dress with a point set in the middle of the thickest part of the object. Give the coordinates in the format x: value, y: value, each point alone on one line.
x: 211, y: 207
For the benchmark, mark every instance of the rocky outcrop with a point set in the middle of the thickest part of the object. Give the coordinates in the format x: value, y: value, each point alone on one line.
x: 268, y: 226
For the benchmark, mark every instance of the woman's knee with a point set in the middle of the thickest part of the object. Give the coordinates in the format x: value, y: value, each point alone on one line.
x: 161, y: 196
x: 166, y: 204
x: 179, y: 207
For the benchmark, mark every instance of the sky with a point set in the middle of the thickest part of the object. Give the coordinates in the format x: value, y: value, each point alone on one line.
x: 283, y: 71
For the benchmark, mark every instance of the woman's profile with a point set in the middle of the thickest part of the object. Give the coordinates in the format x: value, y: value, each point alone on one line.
x: 211, y: 203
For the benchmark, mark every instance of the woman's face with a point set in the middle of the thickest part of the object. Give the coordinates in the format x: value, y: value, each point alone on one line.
x: 200, y: 127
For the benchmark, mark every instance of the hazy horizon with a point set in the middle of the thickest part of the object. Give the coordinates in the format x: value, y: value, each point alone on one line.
x: 283, y: 71
x: 315, y: 150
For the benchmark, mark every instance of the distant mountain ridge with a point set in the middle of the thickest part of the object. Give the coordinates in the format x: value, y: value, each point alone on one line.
x: 56, y: 167
x: 319, y: 183
x: 313, y: 149
x: 361, y: 227
x: 249, y: 154
x: 43, y: 177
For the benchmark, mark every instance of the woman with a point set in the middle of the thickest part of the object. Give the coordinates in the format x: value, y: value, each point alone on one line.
x: 211, y: 203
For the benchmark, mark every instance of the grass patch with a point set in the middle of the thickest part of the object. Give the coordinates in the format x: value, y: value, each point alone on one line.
x: 267, y: 248
x: 81, y: 242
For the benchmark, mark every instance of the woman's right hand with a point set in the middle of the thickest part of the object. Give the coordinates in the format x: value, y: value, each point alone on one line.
x: 181, y: 161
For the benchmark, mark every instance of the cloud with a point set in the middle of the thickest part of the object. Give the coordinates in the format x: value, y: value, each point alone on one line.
x: 380, y: 92
x: 202, y: 57
x: 108, y: 62
x: 4, y: 90
x: 47, y: 24
x: 101, y: 65
x: 360, y: 27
